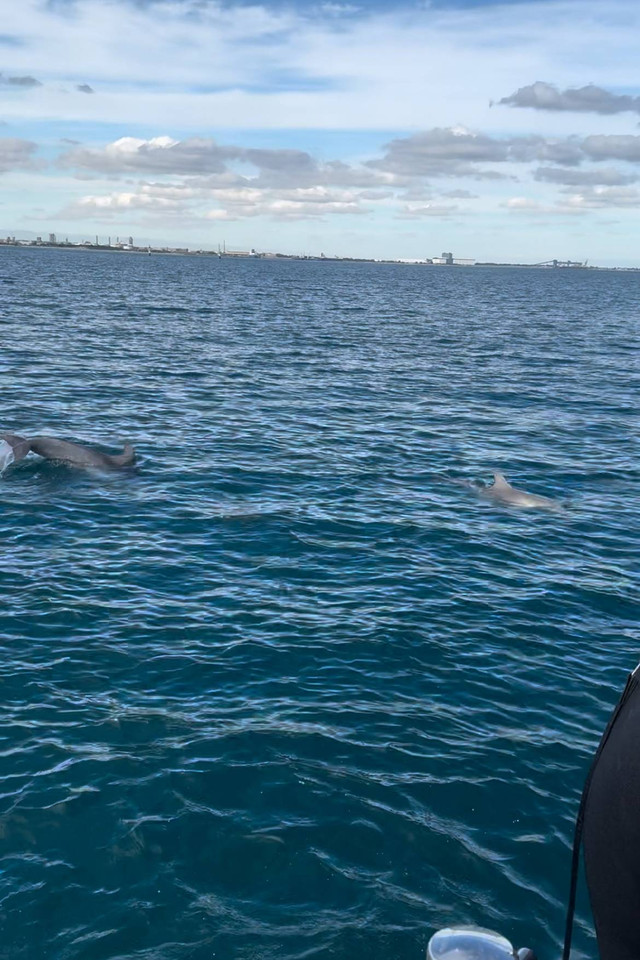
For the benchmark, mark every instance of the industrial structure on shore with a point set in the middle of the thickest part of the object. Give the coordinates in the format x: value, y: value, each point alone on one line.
x: 128, y: 246
x: 449, y: 260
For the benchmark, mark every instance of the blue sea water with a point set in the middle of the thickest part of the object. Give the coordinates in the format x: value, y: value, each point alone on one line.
x: 283, y: 691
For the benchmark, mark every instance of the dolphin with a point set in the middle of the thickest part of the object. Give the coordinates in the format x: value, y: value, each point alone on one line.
x: 63, y: 450
x: 501, y: 491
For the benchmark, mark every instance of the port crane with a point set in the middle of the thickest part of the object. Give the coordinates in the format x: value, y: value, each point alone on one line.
x: 561, y: 263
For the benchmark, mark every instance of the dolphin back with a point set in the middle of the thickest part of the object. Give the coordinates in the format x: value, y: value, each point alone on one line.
x: 124, y: 459
x: 502, y: 491
x: 78, y: 455
x: 500, y: 482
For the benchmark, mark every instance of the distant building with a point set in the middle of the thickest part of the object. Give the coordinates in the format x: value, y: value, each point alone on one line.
x: 52, y: 238
x: 449, y: 260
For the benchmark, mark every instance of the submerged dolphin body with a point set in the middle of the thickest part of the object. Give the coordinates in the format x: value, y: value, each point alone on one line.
x: 72, y: 453
x: 501, y: 491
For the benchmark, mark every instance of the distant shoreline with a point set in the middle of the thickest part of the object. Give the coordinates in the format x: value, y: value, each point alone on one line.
x: 253, y: 255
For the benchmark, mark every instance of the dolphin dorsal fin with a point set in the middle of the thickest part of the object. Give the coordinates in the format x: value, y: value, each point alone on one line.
x: 499, y: 480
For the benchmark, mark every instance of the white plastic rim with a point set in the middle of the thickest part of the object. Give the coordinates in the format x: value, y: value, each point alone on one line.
x: 6, y: 455
x: 469, y: 943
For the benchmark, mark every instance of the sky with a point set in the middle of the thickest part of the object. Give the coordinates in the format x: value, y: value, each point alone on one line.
x: 497, y: 131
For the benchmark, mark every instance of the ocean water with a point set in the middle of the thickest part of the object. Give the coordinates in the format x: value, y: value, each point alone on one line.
x: 283, y: 691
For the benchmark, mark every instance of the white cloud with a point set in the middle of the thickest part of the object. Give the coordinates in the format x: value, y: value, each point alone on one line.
x: 188, y: 202
x: 597, y: 198
x: 287, y: 184
x: 289, y: 209
x: 339, y: 9
x: 414, y: 211
x: 541, y: 212
x: 523, y: 204
x: 588, y: 199
x: 219, y: 214
x: 89, y: 207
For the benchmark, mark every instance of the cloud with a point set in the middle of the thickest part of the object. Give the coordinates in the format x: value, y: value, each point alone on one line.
x: 460, y: 195
x: 411, y: 211
x: 218, y: 181
x: 526, y: 206
x: 590, y: 198
x: 598, y: 198
x: 300, y: 209
x: 25, y: 82
x: 16, y: 154
x: 287, y: 160
x: 523, y: 205
x: 125, y: 201
x: 339, y: 9
x: 589, y: 99
x: 205, y: 158
x: 193, y: 156
x: 612, y: 147
x: 441, y: 152
x: 113, y: 204
x: 284, y: 184
x: 329, y: 173
x: 158, y: 155
x: 186, y: 63
x: 457, y: 152
x: 568, y: 152
x: 570, y: 177
x: 314, y: 74
x: 234, y: 202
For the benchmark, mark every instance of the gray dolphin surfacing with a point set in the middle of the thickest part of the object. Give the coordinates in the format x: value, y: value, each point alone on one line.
x: 66, y: 452
x: 501, y: 491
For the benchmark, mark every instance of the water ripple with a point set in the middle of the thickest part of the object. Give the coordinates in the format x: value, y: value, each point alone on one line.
x: 282, y: 690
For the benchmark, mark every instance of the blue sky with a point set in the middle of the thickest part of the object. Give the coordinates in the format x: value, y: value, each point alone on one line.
x: 498, y: 131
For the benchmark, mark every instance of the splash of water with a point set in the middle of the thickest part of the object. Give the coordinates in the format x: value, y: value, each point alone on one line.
x: 6, y: 456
